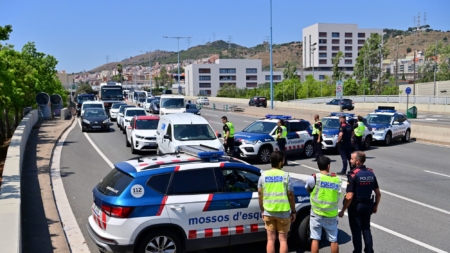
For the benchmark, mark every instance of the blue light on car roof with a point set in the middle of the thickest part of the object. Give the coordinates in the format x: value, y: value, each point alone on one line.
x: 270, y: 116
x: 385, y: 110
x: 201, y: 151
x: 342, y: 114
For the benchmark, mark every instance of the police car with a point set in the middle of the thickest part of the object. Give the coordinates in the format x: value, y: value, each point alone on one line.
x: 192, y: 200
x: 258, y: 140
x: 388, y: 124
x: 330, y: 130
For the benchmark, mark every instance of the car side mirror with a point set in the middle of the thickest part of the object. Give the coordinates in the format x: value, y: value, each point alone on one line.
x: 166, y: 136
x: 130, y: 127
x: 219, y: 135
x: 396, y: 123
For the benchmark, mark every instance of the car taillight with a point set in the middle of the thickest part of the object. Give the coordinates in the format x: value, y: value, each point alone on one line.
x: 117, y: 212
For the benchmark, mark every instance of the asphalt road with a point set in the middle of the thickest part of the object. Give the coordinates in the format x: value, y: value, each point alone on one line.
x: 413, y: 215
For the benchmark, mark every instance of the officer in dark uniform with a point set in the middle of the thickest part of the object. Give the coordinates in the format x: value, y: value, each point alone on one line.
x: 359, y: 201
x: 281, y: 135
x: 317, y: 135
x: 344, y: 143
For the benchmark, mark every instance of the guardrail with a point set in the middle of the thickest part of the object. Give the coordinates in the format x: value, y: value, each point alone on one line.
x: 381, y: 99
x: 10, y: 196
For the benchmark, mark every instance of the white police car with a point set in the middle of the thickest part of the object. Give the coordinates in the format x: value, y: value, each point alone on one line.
x: 330, y: 130
x: 258, y: 139
x: 388, y: 124
x: 193, y: 200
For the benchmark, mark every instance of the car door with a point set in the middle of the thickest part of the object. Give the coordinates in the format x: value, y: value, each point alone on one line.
x: 166, y: 129
x: 197, y: 202
x: 246, y: 224
x: 402, y: 125
x: 294, y: 142
x: 130, y: 129
x: 395, y: 127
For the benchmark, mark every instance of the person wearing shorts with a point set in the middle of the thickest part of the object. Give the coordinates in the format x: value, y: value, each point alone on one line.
x: 277, y: 202
x: 325, y: 190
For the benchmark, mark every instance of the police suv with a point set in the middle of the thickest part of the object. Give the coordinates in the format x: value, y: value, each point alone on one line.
x: 192, y: 200
x: 258, y: 140
x: 388, y: 124
x: 330, y: 130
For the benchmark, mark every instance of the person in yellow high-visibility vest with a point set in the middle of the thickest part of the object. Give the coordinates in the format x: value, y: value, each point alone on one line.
x: 359, y: 133
x: 228, y: 136
x: 277, y: 202
x: 325, y: 190
x: 281, y: 138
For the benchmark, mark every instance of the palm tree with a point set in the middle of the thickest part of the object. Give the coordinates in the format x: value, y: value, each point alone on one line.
x: 337, y: 73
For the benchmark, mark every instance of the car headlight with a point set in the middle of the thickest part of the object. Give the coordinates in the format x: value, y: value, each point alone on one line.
x: 106, y: 121
x: 330, y: 135
x: 86, y: 121
x: 379, y: 129
x: 127, y: 120
x: 139, y: 136
x: 249, y: 141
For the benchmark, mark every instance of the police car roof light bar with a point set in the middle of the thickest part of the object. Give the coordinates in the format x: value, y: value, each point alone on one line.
x: 201, y: 151
x: 386, y: 109
x: 271, y: 116
x: 342, y: 114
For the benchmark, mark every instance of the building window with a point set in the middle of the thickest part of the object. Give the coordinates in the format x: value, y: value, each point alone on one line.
x: 253, y: 78
x: 334, y: 41
x: 251, y: 85
x: 323, y: 48
x: 251, y: 71
x: 321, y: 77
x: 348, y: 61
x: 226, y: 78
x: 348, y: 48
x: 322, y: 34
x: 275, y: 77
x: 348, y: 35
x: 322, y: 55
x: 229, y: 84
x: 204, y: 71
x: 361, y: 42
x: 204, y: 92
x: 335, y: 48
x: 359, y: 48
x: 322, y: 41
x: 361, y: 35
x: 335, y: 35
x: 227, y: 71
x: 348, y: 55
x: 402, y: 67
x: 410, y: 68
x: 348, y: 42
x: 204, y: 78
x: 204, y: 85
x: 322, y: 61
x: 333, y: 54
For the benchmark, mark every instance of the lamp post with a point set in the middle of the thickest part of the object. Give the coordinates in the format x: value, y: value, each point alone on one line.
x: 435, y: 67
x: 178, y: 41
x: 311, y: 52
x: 271, y: 60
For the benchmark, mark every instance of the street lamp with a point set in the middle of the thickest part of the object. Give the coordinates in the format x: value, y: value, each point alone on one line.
x: 178, y: 41
x: 311, y: 51
x: 271, y: 60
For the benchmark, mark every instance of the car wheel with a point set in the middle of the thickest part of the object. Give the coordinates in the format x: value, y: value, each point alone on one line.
x: 82, y: 129
x: 123, y: 130
x: 308, y: 151
x: 407, y: 136
x: 133, y: 151
x: 264, y: 154
x: 126, y: 141
x: 302, y: 232
x: 159, y: 241
x: 388, y: 139
x: 367, y: 142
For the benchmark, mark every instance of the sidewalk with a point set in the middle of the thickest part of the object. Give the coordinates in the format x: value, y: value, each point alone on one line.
x: 41, y: 226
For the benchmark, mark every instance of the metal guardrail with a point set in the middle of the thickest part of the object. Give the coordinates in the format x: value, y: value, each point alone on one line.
x: 381, y: 99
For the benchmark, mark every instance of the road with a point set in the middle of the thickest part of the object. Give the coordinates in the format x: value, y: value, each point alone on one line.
x: 413, y: 215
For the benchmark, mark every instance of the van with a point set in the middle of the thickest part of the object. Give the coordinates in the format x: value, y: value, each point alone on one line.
x: 171, y: 104
x: 257, y: 101
x: 181, y: 129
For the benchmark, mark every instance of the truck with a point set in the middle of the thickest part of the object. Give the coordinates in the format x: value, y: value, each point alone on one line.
x: 111, y: 92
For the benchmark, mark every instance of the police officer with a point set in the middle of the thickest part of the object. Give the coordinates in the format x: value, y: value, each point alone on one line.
x: 344, y: 143
x: 361, y: 183
x: 281, y: 133
x: 317, y: 134
x: 228, y: 136
x: 359, y: 132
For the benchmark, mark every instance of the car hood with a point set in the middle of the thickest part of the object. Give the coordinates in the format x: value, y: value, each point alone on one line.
x: 97, y: 118
x: 146, y: 133
x: 330, y: 131
x: 376, y: 126
x: 192, y: 110
x: 114, y: 110
x: 253, y: 136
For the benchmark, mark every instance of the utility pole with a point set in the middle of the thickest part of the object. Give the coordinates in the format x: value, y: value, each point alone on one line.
x: 396, y: 67
x: 149, y: 70
x: 435, y: 67
x: 178, y: 41
x: 381, y: 61
x: 271, y: 60
x: 229, y: 42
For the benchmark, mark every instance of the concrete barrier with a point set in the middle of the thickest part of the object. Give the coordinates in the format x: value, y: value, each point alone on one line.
x: 434, y: 134
x: 10, y: 196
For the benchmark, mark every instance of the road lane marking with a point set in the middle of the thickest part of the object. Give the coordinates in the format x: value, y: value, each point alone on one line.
x: 432, y: 172
x: 248, y: 121
x: 431, y: 119
x: 215, y: 122
x: 97, y: 149
x: 75, y: 238
x: 394, y: 195
x: 212, y: 115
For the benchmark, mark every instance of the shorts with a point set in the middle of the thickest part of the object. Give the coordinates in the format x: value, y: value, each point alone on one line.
x: 280, y: 225
x: 317, y: 223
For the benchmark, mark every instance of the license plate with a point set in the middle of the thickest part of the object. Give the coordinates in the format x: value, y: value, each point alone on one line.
x: 96, y: 210
x: 151, y: 144
x: 96, y: 127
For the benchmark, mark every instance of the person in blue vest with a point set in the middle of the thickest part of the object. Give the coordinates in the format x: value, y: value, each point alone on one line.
x: 277, y: 202
x: 359, y: 202
x: 344, y: 143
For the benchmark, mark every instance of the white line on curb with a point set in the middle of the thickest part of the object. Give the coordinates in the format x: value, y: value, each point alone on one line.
x: 432, y: 172
x: 75, y: 238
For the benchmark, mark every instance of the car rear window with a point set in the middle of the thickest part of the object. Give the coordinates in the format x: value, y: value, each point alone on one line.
x: 114, y: 183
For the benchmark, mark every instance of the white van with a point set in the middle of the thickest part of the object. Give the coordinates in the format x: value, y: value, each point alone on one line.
x: 92, y: 104
x: 180, y: 129
x: 171, y: 104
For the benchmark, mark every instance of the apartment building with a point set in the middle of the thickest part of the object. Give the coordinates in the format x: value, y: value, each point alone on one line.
x: 321, y: 42
x: 405, y: 67
x: 206, y: 79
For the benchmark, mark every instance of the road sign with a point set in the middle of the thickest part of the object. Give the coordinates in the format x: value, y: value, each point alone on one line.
x: 74, y: 87
x: 408, y: 90
x: 339, y: 89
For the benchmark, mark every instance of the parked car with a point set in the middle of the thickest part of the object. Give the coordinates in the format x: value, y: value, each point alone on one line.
x: 192, y: 108
x: 257, y: 101
x: 95, y: 119
x: 202, y: 101
x: 347, y: 104
x: 148, y: 102
x: 154, y: 107
x: 141, y: 133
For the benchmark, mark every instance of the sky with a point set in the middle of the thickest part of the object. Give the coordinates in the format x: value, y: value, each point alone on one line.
x: 84, y: 34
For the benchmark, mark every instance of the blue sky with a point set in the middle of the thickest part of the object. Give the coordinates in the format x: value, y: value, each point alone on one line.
x: 82, y: 33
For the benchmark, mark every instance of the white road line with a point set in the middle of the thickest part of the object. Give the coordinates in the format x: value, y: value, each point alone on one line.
x: 248, y: 121
x: 215, y: 122
x: 97, y: 149
x: 75, y: 238
x: 431, y: 119
x: 394, y: 195
x: 212, y: 115
x: 387, y: 230
x: 432, y: 172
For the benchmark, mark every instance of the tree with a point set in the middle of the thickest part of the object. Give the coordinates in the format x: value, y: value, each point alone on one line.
x: 5, y: 31
x: 289, y: 71
x: 164, y: 77
x: 408, y: 50
x: 337, y: 73
x: 120, y: 70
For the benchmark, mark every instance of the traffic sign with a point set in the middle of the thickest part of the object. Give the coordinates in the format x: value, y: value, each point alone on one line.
x: 339, y: 89
x: 408, y: 90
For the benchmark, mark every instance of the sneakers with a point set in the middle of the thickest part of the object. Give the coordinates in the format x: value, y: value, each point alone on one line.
x: 341, y: 173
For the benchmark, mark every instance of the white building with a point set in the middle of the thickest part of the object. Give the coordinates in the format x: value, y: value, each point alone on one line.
x: 206, y: 79
x: 321, y: 42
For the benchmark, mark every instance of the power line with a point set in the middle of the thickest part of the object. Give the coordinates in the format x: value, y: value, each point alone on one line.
x: 229, y: 41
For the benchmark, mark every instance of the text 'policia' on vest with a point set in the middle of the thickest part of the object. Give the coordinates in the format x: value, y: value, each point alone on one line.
x: 325, y: 195
x: 275, y: 191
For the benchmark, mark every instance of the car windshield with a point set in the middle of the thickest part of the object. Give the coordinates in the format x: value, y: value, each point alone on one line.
x: 150, y: 100
x: 141, y: 99
x: 122, y: 108
x: 135, y: 113
x: 116, y: 106
x: 94, y: 113
x: 110, y: 92
x: 151, y: 124
x: 85, y: 106
x: 332, y: 123
x: 86, y: 98
x: 261, y: 127
x: 195, y: 132
x: 379, y: 119
x: 172, y: 102
x: 192, y: 106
